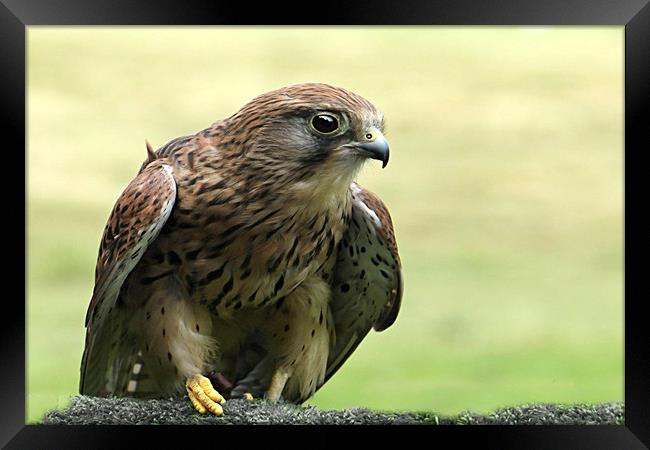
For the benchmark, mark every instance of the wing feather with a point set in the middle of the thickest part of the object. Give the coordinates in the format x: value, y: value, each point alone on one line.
x: 367, y: 286
x: 135, y: 221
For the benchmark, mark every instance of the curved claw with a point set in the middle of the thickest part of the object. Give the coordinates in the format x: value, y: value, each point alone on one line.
x: 203, y: 396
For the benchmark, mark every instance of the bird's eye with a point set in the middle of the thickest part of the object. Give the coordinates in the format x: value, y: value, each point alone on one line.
x: 325, y: 123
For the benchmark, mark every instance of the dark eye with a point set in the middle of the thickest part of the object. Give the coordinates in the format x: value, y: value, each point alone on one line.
x: 325, y: 123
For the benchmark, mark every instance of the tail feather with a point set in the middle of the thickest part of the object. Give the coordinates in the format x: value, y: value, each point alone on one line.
x: 109, y: 356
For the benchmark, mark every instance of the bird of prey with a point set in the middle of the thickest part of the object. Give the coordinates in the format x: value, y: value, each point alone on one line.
x: 244, y: 260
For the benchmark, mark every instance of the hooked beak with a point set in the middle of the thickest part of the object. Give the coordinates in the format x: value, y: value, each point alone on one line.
x: 375, y: 145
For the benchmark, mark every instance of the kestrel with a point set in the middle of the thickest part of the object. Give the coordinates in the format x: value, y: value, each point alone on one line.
x: 245, y: 258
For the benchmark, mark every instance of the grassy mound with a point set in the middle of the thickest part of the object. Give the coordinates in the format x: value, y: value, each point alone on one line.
x: 178, y: 411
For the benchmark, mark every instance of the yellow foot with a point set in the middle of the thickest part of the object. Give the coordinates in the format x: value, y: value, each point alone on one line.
x: 248, y: 396
x: 203, y: 396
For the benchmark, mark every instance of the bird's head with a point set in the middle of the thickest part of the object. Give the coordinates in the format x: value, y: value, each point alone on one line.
x: 310, y: 133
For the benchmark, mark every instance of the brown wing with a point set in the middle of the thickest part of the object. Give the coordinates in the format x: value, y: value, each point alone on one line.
x: 135, y: 221
x: 367, y: 286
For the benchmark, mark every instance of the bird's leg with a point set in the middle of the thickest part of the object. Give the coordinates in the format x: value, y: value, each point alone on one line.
x: 224, y: 385
x: 278, y: 381
x: 298, y: 342
x: 221, y: 383
x: 174, y: 345
x: 203, y: 396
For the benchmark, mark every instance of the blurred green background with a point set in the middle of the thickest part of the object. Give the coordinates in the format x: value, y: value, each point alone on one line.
x: 505, y: 186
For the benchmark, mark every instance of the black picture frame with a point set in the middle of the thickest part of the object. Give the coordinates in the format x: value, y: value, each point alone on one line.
x: 634, y: 15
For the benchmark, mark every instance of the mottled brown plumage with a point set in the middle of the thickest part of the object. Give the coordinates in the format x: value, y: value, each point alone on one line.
x: 246, y: 250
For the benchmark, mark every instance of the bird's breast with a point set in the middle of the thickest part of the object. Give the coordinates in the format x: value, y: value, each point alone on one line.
x: 255, y: 258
